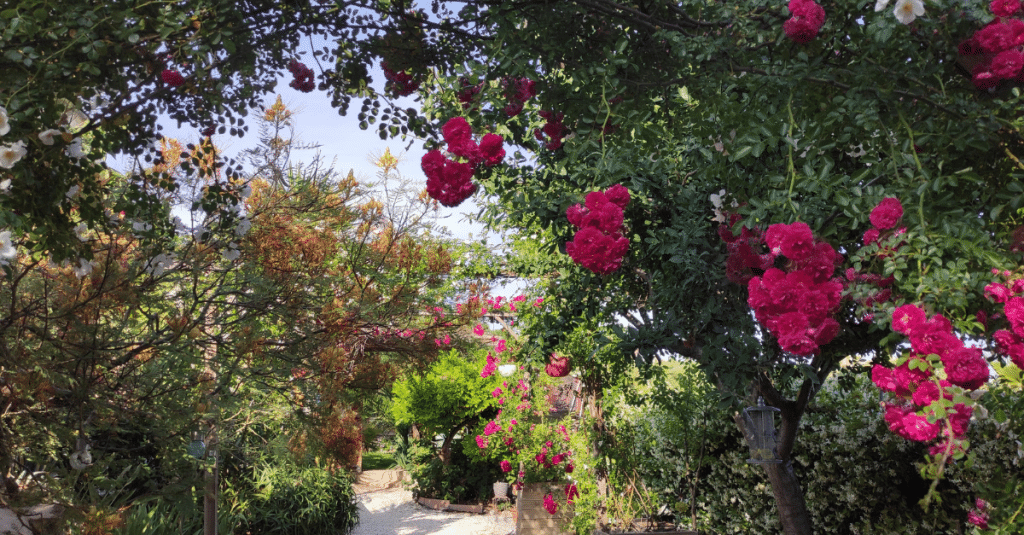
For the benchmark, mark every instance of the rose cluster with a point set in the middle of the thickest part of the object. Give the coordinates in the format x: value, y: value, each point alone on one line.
x: 490, y: 367
x: 599, y: 244
x: 302, y: 76
x: 553, y: 131
x: 797, y: 305
x: 922, y: 396
x: 978, y: 516
x: 172, y: 78
x: 468, y: 94
x: 994, y: 52
x: 1010, y: 341
x: 518, y: 91
x: 448, y: 180
x: 557, y: 366
x: 401, y: 84
x: 806, y: 21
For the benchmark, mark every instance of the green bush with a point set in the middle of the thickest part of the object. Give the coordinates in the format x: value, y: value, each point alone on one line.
x: 462, y: 481
x: 292, y: 499
x: 857, y: 476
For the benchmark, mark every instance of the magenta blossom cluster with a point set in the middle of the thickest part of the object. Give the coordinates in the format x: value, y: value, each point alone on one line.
x: 518, y: 91
x: 797, y: 305
x: 172, y: 78
x: 1010, y: 342
x: 553, y: 131
x: 571, y: 493
x: 979, y: 515
x: 490, y: 367
x: 995, y: 50
x: 917, y: 413
x: 599, y: 244
x: 302, y: 77
x: 557, y: 366
x: 807, y: 19
x: 549, y: 504
x: 448, y: 180
x: 552, y: 461
x: 399, y: 83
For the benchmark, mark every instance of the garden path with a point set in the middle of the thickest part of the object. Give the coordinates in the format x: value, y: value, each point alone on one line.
x: 393, y: 512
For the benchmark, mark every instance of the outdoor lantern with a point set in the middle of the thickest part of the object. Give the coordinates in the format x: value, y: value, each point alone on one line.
x: 197, y: 448
x: 760, y: 426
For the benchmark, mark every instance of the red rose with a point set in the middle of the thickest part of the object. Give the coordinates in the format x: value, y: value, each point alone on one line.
x: 887, y: 213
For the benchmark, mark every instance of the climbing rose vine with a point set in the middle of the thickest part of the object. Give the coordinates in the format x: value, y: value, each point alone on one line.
x: 931, y: 383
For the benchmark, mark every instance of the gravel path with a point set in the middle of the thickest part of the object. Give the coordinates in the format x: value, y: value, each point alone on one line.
x: 393, y: 512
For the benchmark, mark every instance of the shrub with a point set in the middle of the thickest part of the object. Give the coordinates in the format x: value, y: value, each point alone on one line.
x: 462, y: 481
x: 857, y: 477
x: 293, y: 499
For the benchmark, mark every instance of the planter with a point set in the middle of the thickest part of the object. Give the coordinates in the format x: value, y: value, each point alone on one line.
x: 500, y: 490
x: 533, y: 519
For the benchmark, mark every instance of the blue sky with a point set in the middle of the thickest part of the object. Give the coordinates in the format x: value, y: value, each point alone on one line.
x: 340, y: 139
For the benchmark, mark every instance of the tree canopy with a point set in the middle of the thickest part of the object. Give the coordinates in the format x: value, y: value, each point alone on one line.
x: 720, y: 119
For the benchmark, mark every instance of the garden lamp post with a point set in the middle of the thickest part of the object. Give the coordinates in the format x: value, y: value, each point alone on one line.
x: 759, y: 422
x: 197, y: 448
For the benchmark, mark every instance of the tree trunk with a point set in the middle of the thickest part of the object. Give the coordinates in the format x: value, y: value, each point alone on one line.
x: 594, y: 395
x: 789, y: 498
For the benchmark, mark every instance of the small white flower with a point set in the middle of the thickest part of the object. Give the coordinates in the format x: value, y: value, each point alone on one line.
x: 880, y: 4
x: 75, y: 149
x: 8, y: 251
x: 139, y: 227
x: 716, y: 198
x: 84, y: 268
x: 5, y: 185
x: 159, y: 264
x: 12, y: 153
x: 46, y: 136
x: 4, y: 125
x: 80, y: 231
x: 243, y: 227
x: 200, y: 233
x: 908, y: 10
x: 231, y: 253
